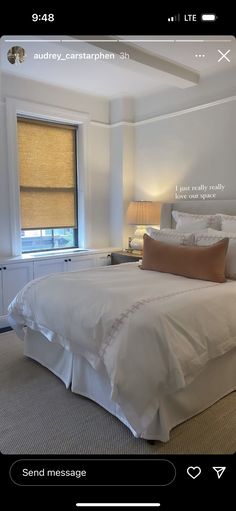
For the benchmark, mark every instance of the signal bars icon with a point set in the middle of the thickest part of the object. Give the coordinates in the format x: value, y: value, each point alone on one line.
x: 176, y: 17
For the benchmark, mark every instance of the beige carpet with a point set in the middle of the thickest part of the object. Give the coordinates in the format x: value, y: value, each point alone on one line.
x: 39, y: 416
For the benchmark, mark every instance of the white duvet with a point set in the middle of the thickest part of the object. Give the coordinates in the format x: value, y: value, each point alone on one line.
x: 153, y: 331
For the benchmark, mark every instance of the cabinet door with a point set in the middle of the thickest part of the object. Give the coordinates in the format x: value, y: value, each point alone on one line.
x: 103, y: 259
x: 47, y: 266
x: 14, y: 277
x: 81, y: 262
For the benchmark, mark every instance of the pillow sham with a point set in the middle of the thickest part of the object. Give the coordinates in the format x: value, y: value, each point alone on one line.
x: 196, y: 262
x: 171, y: 236
x: 228, y: 223
x: 206, y: 239
x: 189, y: 222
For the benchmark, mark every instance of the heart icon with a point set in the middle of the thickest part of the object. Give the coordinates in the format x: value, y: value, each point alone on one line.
x: 193, y: 472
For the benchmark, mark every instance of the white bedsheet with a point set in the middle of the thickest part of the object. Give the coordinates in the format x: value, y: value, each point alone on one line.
x: 154, y: 332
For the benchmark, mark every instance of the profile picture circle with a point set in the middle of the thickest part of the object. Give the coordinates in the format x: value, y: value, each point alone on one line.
x: 16, y: 55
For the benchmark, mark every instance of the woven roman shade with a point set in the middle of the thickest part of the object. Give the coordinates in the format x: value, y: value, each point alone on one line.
x: 47, y: 167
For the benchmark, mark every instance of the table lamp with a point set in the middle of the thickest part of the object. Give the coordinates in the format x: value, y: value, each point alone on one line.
x: 141, y: 214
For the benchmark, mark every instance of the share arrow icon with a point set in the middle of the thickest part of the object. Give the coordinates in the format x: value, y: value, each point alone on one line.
x: 219, y: 471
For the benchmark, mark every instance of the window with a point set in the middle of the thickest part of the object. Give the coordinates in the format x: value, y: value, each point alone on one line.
x: 48, y: 186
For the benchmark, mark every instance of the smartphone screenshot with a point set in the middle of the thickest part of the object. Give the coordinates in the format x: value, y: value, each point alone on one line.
x: 118, y: 261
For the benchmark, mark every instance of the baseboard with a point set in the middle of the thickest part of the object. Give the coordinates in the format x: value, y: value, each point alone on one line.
x: 7, y: 329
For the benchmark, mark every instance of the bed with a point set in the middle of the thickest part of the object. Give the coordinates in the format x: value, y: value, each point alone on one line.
x: 153, y: 349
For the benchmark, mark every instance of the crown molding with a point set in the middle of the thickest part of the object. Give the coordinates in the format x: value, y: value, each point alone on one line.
x: 165, y: 116
x: 186, y: 111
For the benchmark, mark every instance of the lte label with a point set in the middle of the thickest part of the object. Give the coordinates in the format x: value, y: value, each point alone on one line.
x: 190, y: 17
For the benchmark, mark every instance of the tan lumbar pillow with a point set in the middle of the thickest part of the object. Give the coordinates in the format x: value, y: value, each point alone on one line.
x: 196, y: 262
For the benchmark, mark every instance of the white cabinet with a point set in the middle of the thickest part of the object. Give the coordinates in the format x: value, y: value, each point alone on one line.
x: 14, y: 276
x: 47, y: 266
x: 61, y: 264
x: 75, y: 263
x: 103, y: 259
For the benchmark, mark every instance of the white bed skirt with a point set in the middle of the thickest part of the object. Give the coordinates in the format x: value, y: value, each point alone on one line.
x: 216, y: 381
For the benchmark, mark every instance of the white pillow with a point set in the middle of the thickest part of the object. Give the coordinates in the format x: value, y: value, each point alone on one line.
x: 207, y: 231
x: 228, y: 223
x: 170, y: 236
x: 188, y: 225
x: 188, y: 222
x: 210, y: 238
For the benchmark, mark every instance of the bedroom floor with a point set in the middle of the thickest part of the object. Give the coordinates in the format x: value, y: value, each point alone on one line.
x: 39, y: 416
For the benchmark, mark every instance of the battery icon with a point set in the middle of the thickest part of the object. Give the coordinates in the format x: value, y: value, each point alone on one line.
x: 208, y: 17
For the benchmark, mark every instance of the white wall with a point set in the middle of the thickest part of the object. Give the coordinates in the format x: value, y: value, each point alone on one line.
x: 189, y: 147
x: 121, y: 168
x: 133, y: 153
x: 98, y: 167
x: 96, y: 157
x: 121, y: 183
x: 192, y: 148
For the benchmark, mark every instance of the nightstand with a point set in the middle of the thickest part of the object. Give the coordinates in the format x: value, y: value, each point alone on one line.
x: 124, y: 257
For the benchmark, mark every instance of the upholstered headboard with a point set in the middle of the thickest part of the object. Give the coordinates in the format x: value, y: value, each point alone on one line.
x: 199, y: 207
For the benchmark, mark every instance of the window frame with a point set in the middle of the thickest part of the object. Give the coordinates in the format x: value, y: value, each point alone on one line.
x: 80, y: 120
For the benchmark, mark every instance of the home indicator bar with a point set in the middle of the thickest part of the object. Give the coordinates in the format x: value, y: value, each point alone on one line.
x: 117, y: 504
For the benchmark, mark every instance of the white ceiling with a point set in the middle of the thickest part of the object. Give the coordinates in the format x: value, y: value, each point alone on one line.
x: 154, y: 66
x: 184, y: 50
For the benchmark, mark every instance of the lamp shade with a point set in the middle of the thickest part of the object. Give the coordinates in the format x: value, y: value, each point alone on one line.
x: 144, y: 213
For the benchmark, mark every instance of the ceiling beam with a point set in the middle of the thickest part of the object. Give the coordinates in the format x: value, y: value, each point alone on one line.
x: 185, y: 76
